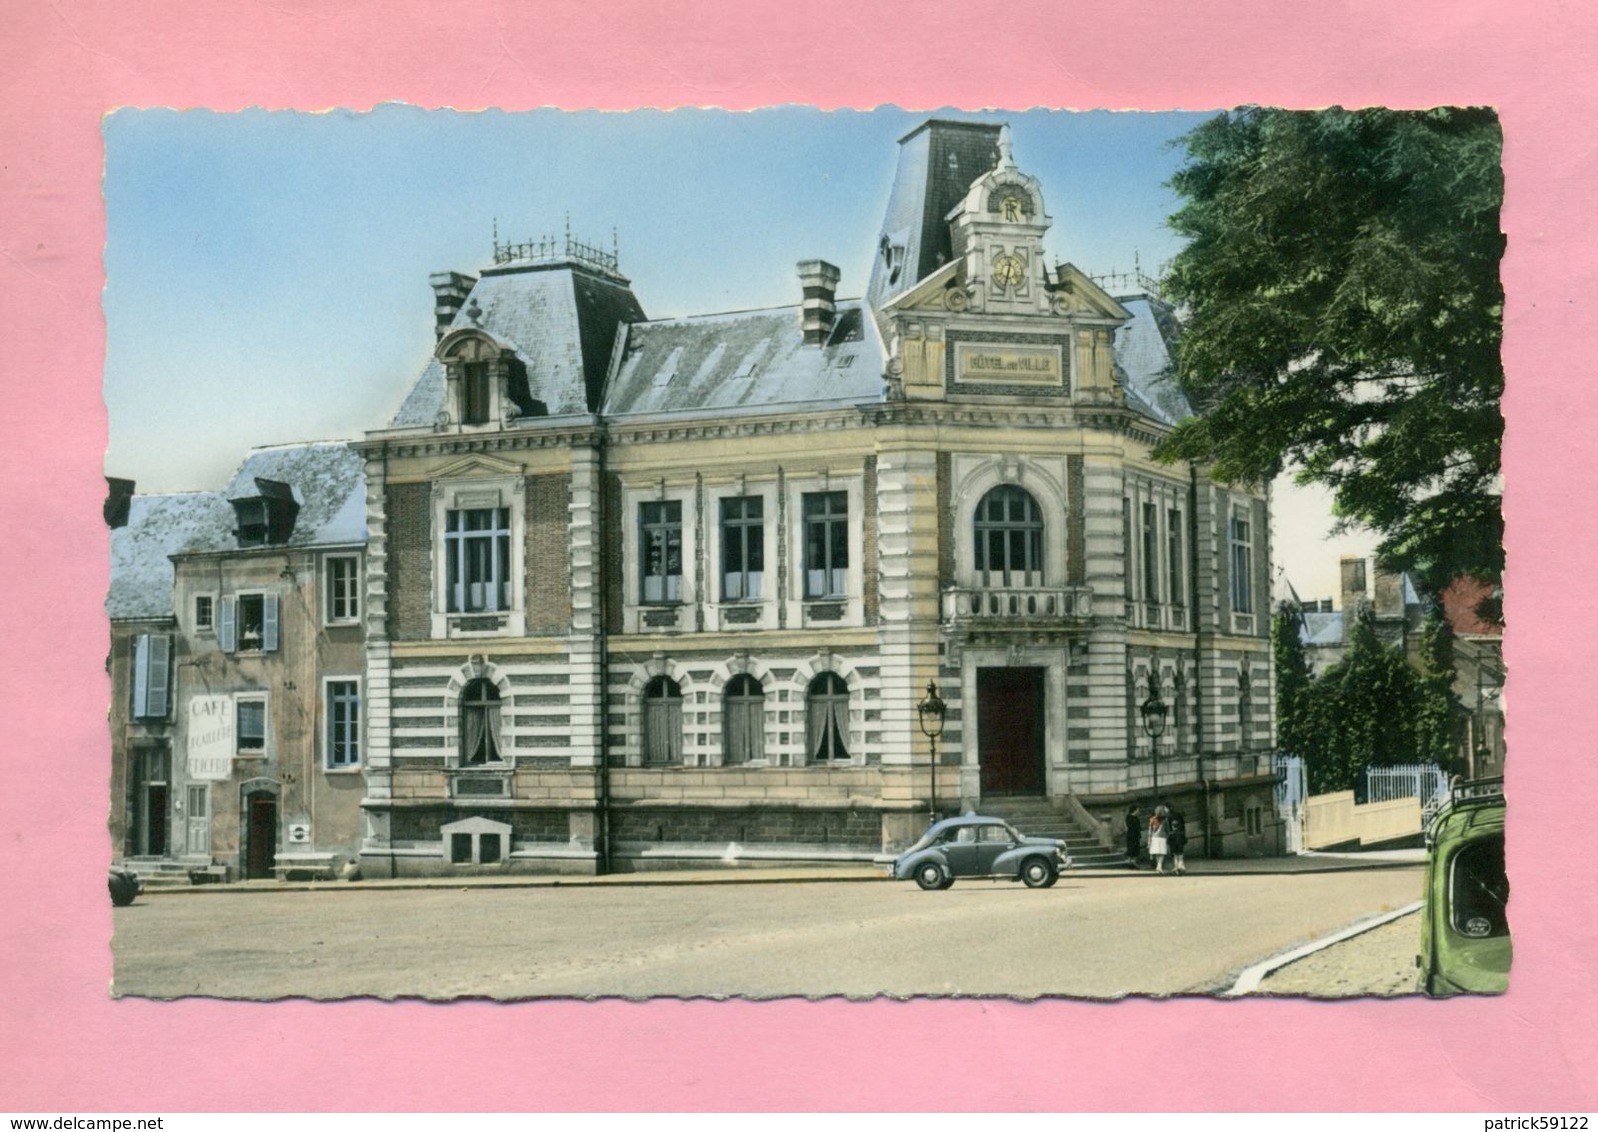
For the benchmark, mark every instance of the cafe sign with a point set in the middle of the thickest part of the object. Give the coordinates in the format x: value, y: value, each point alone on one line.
x: 211, y: 742
x: 985, y: 363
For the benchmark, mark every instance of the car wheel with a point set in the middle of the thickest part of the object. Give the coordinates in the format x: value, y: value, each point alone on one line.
x: 931, y: 876
x: 1037, y: 873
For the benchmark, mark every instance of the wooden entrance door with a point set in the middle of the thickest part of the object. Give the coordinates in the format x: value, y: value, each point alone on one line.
x: 1010, y: 730
x: 149, y: 803
x: 260, y: 852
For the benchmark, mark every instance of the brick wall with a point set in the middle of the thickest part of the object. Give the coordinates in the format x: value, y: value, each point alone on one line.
x: 1076, y: 539
x: 409, y: 561
x: 549, y: 601
x: 610, y: 554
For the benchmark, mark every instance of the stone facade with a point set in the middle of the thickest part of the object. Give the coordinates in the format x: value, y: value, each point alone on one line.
x: 655, y: 594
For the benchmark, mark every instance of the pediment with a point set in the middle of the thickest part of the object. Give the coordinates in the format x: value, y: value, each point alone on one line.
x: 479, y: 466
x: 931, y: 294
x: 1077, y: 294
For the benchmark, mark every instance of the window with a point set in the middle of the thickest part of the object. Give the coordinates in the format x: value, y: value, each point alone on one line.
x: 743, y: 720
x: 1242, y: 558
x: 1173, y: 556
x: 343, y: 724
x: 480, y: 723
x: 204, y: 613
x: 1151, y: 554
x: 827, y: 718
x: 249, y: 623
x: 250, y: 725
x: 1009, y: 537
x: 152, y: 667
x: 475, y: 387
x: 743, y: 549
x: 660, y: 551
x: 1479, y: 889
x: 477, y: 556
x: 343, y: 581
x: 826, y: 519
x: 662, y: 721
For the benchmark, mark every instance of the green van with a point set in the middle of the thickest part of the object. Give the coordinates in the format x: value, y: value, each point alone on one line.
x: 1464, y: 929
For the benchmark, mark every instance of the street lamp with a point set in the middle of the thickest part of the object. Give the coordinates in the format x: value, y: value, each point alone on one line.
x: 1153, y: 712
x: 930, y: 712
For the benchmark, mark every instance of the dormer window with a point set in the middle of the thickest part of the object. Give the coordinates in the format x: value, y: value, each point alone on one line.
x: 475, y: 398
x: 266, y: 519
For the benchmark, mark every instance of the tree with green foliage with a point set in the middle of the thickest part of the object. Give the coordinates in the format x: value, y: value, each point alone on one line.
x: 1292, y: 680
x: 1343, y: 315
x: 1362, y: 712
x: 1436, y: 726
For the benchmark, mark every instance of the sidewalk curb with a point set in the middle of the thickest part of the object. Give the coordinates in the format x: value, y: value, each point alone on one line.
x: 1249, y: 981
x: 667, y: 880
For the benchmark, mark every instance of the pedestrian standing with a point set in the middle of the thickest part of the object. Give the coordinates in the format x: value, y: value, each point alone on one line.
x: 1134, y: 834
x: 1157, y: 842
x: 1176, y: 838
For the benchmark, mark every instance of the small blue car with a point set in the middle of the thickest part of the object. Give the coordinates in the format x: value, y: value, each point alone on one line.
x: 974, y: 846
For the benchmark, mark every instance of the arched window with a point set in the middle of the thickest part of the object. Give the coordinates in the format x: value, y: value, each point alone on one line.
x: 1009, y: 538
x: 827, y: 718
x: 479, y: 723
x: 662, y: 721
x: 743, y: 720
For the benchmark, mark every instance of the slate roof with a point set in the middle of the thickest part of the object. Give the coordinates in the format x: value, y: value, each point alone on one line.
x: 938, y: 162
x: 158, y: 526
x: 558, y: 316
x: 1322, y: 628
x: 328, y: 483
x: 753, y: 360
x: 1145, y: 350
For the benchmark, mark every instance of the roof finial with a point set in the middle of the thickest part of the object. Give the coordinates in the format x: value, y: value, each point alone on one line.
x: 568, y: 250
x: 1006, y: 161
x: 496, y: 238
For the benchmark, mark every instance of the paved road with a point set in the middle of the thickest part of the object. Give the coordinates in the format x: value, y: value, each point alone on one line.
x: 1097, y: 937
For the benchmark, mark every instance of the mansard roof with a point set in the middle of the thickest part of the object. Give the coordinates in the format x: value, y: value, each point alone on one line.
x: 328, y: 481
x: 559, y: 318
x: 746, y: 359
x: 1145, y: 353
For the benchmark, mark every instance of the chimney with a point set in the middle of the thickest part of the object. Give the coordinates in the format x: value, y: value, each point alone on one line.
x: 118, y: 499
x: 819, y: 311
x: 450, y: 289
x: 1352, y: 590
x: 1389, y: 595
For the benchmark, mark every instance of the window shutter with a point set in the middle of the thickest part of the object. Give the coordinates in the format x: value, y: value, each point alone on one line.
x: 227, y: 635
x: 158, y: 680
x: 141, y: 674
x: 269, y: 623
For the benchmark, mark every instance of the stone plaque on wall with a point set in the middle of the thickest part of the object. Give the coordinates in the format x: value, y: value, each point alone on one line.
x: 999, y: 364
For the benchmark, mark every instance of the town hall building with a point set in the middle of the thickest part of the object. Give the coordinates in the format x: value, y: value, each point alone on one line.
x: 660, y: 593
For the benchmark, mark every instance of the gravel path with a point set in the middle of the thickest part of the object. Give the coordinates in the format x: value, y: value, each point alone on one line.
x: 1378, y: 963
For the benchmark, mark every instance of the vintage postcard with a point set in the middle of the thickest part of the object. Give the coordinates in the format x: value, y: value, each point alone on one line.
x: 801, y: 553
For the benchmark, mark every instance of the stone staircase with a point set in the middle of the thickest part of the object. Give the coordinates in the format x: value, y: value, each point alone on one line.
x: 1042, y: 817
x: 164, y: 872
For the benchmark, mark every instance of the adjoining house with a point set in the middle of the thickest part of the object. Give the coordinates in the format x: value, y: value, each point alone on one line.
x: 653, y: 593
x: 237, y: 662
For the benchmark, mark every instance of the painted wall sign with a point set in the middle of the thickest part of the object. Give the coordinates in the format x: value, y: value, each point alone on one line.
x: 210, y: 742
x: 998, y: 364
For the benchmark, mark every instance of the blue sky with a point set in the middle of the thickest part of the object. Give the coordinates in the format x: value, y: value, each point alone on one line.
x: 267, y: 271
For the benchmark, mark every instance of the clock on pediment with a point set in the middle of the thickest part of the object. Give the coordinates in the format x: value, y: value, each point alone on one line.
x: 1009, y: 270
